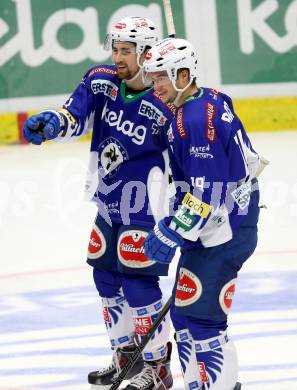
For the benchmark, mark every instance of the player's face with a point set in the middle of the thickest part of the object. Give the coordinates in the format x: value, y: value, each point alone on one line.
x: 163, y: 85
x: 125, y: 59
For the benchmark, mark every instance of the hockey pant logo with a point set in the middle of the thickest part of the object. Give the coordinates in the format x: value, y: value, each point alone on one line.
x: 97, y: 244
x: 226, y: 296
x: 188, y: 288
x: 131, y: 251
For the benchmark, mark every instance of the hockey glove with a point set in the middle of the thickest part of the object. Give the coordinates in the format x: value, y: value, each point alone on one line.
x: 161, y: 243
x: 42, y: 127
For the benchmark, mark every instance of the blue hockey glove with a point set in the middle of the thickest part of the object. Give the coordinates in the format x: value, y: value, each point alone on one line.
x: 161, y: 243
x: 42, y: 127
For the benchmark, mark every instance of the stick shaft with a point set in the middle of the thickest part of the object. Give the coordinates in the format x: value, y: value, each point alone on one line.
x: 140, y: 347
x: 169, y: 18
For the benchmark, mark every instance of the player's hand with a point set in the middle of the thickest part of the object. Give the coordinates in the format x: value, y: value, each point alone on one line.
x: 42, y: 127
x: 161, y: 243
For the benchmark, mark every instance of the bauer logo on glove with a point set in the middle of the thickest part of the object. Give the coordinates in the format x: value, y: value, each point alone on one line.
x: 161, y: 243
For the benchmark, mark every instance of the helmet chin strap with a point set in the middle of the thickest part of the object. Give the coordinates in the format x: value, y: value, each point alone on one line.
x: 180, y: 91
x: 139, y: 72
x: 177, y: 97
x: 136, y: 75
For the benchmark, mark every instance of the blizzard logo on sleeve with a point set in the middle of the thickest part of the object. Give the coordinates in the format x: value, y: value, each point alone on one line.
x: 152, y: 112
x: 106, y: 87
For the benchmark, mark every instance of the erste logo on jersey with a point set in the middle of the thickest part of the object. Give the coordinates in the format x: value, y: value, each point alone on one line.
x: 106, y: 87
x: 188, y: 289
x: 97, y: 244
x: 131, y: 250
x: 152, y: 112
x: 226, y: 295
x: 111, y: 154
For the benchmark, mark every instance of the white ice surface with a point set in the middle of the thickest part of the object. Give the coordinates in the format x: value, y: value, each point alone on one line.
x: 51, y: 329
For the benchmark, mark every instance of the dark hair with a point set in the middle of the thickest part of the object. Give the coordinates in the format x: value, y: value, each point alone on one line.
x: 187, y: 69
x: 133, y: 43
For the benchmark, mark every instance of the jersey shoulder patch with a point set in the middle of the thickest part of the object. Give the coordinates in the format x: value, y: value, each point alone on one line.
x: 217, y: 98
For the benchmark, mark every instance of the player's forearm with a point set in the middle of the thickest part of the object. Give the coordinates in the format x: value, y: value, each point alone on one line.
x: 73, y: 128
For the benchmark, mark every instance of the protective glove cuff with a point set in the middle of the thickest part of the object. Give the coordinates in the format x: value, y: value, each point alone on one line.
x: 168, y: 236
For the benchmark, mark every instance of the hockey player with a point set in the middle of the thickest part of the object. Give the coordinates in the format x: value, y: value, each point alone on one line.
x: 127, y: 154
x: 216, y: 215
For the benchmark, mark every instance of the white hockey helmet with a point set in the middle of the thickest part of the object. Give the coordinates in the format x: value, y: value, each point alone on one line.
x: 170, y: 55
x: 141, y: 31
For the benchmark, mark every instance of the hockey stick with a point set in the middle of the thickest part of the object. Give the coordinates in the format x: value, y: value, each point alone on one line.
x: 140, y: 347
x: 169, y: 18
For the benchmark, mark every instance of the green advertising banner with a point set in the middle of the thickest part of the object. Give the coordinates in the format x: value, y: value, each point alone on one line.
x: 257, y: 41
x: 46, y: 46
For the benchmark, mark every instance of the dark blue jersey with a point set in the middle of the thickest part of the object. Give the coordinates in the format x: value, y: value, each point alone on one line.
x: 127, y: 171
x: 214, y: 168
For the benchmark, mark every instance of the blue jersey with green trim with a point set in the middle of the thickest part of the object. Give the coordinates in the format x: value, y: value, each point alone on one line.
x: 214, y: 167
x: 127, y: 172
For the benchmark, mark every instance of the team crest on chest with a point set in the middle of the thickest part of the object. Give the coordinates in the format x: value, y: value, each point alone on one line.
x: 111, y: 155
